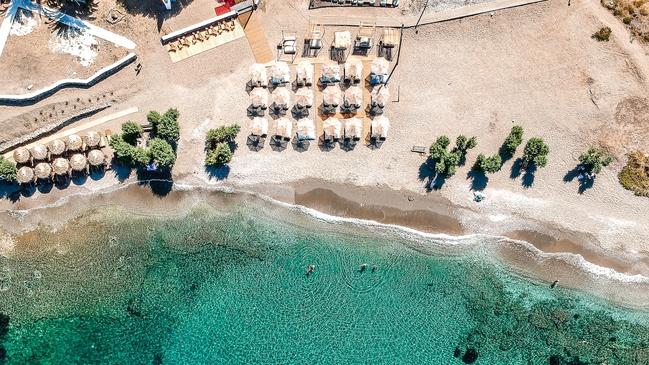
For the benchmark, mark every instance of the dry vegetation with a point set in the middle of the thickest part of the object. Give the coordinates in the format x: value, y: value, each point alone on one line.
x: 635, y: 175
x: 633, y: 13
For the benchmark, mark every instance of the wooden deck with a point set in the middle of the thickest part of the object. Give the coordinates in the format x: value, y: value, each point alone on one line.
x: 257, y: 39
x: 212, y: 42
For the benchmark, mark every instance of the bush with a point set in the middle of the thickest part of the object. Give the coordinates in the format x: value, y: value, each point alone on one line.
x: 172, y: 113
x: 131, y: 131
x: 594, y: 159
x: 446, y: 162
x: 224, y: 134
x: 536, y: 152
x: 161, y: 153
x: 464, y: 144
x: 167, y: 129
x: 488, y: 164
x: 513, y: 140
x: 140, y: 156
x: 220, y: 155
x: 635, y: 175
x: 121, y: 149
x: 153, y: 117
x: 603, y: 34
x: 627, y: 20
x: 7, y: 170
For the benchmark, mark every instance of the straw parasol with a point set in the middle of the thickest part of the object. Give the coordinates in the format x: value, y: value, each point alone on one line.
x: 354, y: 69
x: 96, y: 158
x: 57, y: 147
x: 281, y: 96
x: 354, y: 96
x: 353, y: 128
x: 380, y: 94
x: 78, y: 162
x: 61, y: 166
x: 331, y: 71
x: 92, y: 139
x: 342, y: 40
x: 380, y: 66
x: 259, y: 126
x: 332, y: 127
x: 39, y: 152
x: 74, y: 142
x: 284, y: 127
x: 25, y: 175
x: 304, y: 96
x: 259, y: 97
x: 43, y: 170
x: 380, y: 126
x: 21, y: 155
x: 304, y: 71
x: 258, y: 73
x: 305, y: 129
x: 280, y: 72
x: 331, y: 95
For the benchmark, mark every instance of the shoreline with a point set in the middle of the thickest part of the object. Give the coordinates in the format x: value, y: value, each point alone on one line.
x: 536, y: 254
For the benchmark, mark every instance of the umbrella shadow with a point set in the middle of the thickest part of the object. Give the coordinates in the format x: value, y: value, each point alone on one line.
x: 44, y: 186
x: 326, y: 145
x: 78, y: 178
x: 255, y: 143
x: 218, y: 172
x: 586, y: 181
x: 479, y: 179
x: 160, y: 182
x: 375, y: 143
x: 348, y: 145
x: 97, y: 173
x: 277, y: 111
x: 255, y: 111
x: 278, y: 144
x: 300, y: 145
x: 299, y: 113
x: 62, y: 182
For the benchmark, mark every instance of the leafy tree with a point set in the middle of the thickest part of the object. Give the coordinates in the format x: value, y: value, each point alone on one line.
x: 536, y: 152
x: 223, y: 134
x: 161, y: 152
x: 172, y: 113
x: 446, y: 162
x: 513, y: 140
x: 438, y: 148
x: 153, y: 117
x: 122, y: 150
x: 594, y: 159
x: 167, y: 129
x: 131, y: 131
x: 464, y: 144
x: 140, y: 156
x: 488, y: 164
x: 220, y: 155
x: 7, y: 170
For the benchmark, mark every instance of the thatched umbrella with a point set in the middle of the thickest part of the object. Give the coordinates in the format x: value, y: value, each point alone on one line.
x: 332, y: 128
x: 305, y: 129
x: 39, y: 152
x: 304, y: 97
x: 380, y: 95
x: 304, y: 71
x: 258, y: 74
x: 284, y: 128
x: 330, y: 72
x: 74, y: 142
x: 22, y: 155
x: 56, y: 147
x: 281, y: 97
x: 96, y: 158
x: 353, y: 128
x: 331, y: 95
x: 380, y: 66
x: 43, y: 170
x: 380, y: 127
x: 61, y: 166
x: 280, y: 73
x: 25, y: 175
x: 354, y: 70
x: 259, y: 97
x: 259, y: 126
x: 354, y: 96
x: 92, y: 139
x: 78, y: 162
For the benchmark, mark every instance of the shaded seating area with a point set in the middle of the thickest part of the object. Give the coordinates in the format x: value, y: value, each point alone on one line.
x: 379, y: 70
x: 287, y: 46
x: 331, y: 98
x: 281, y: 98
x: 280, y: 74
x: 380, y: 95
x: 387, y: 44
x: 342, y: 42
x: 303, y: 101
x: 283, y: 134
x: 258, y: 133
x: 258, y: 101
x: 305, y: 133
x: 353, y: 129
x: 379, y: 130
x: 332, y: 130
x: 364, y: 41
x: 313, y: 41
x: 330, y: 73
x: 353, y: 71
x: 352, y: 100
x: 304, y: 74
x: 258, y: 76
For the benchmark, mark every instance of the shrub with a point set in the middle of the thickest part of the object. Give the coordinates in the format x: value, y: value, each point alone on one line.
x: 627, y: 20
x: 446, y: 162
x: 488, y: 164
x: 153, y: 117
x: 536, y: 152
x: 167, y: 129
x: 220, y: 155
x: 635, y: 175
x: 223, y: 134
x: 513, y: 140
x: 122, y: 150
x: 140, y: 156
x: 594, y: 159
x: 172, y: 113
x: 464, y: 144
x: 161, y: 152
x: 7, y: 170
x: 131, y: 131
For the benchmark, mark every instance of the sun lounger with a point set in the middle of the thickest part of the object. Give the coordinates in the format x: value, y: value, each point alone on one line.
x: 418, y: 149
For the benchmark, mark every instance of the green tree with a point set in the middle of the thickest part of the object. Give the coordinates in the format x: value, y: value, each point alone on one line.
x: 122, y: 150
x: 7, y: 170
x: 131, y: 131
x: 536, y: 152
x: 464, y: 144
x: 140, y: 156
x: 161, y: 152
x: 153, y: 117
x: 220, y: 155
x: 446, y: 162
x: 488, y: 164
x: 223, y: 134
x: 594, y: 159
x: 172, y: 113
x: 167, y: 129
x: 513, y: 140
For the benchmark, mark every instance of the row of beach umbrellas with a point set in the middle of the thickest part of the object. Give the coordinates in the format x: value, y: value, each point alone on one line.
x: 56, y: 147
x: 60, y: 166
x: 331, y: 95
x: 332, y: 127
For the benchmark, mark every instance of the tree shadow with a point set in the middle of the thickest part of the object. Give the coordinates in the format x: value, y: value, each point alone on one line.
x: 160, y: 182
x: 218, y: 172
x: 121, y: 171
x: 479, y: 179
x: 586, y: 181
x: 528, y: 177
x: 431, y: 179
x: 154, y: 9
x: 504, y: 154
x: 517, y: 166
x: 10, y: 191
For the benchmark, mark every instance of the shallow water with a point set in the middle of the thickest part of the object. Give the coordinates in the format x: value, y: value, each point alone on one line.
x: 230, y: 286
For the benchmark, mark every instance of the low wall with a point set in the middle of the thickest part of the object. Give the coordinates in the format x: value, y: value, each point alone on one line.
x: 43, y: 93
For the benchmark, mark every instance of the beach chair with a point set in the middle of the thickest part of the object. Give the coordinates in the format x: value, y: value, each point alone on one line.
x: 418, y: 149
x: 173, y: 47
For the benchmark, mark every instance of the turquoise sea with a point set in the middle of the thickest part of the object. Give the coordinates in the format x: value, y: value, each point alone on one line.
x: 230, y: 286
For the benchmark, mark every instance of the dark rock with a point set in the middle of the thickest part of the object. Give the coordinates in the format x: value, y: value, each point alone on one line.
x: 457, y: 352
x: 4, y: 324
x: 157, y: 358
x: 133, y: 308
x: 3, y: 355
x: 613, y: 339
x: 470, y: 356
x: 555, y: 360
